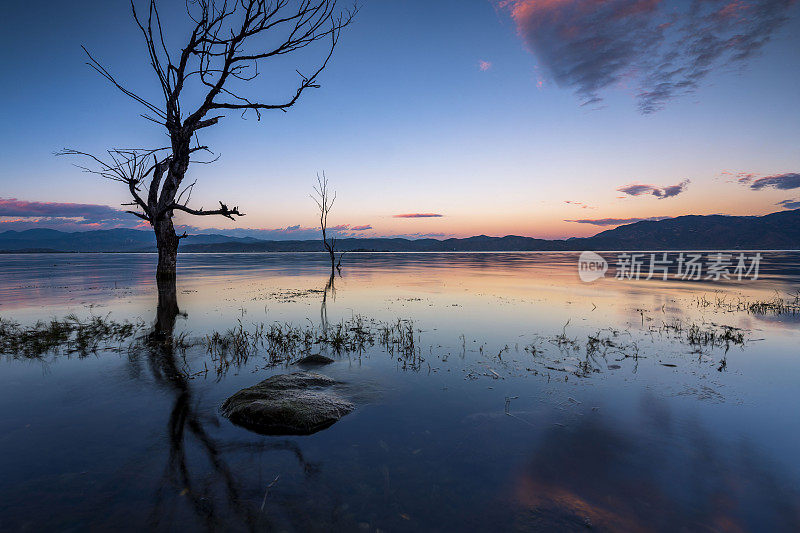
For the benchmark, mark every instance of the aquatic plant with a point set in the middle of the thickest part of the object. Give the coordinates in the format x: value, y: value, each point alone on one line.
x: 70, y: 335
x: 284, y: 343
x: 715, y: 336
x: 774, y: 306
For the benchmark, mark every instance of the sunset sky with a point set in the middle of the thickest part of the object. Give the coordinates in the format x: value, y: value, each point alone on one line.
x: 544, y: 118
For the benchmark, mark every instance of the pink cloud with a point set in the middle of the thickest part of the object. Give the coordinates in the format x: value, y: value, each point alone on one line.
x: 484, y: 65
x: 732, y: 10
x: 419, y: 215
x: 740, y: 177
x: 413, y: 236
x: 579, y: 204
x: 348, y: 227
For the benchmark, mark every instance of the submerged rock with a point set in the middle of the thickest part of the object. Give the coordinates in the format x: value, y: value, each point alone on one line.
x: 315, y: 359
x: 301, y: 403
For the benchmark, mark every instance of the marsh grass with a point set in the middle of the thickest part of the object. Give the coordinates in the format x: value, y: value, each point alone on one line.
x: 608, y: 346
x: 564, y: 342
x: 603, y: 345
x: 701, y: 335
x: 284, y: 343
x: 278, y: 343
x: 775, y: 306
x: 69, y: 335
x: 715, y: 336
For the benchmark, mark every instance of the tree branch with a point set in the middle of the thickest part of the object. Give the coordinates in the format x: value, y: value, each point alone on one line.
x: 222, y: 211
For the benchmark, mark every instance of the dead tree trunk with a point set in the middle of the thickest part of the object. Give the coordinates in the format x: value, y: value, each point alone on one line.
x: 169, y: 174
x: 167, y: 243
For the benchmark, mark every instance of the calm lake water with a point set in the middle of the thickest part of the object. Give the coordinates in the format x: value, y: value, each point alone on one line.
x: 532, y: 400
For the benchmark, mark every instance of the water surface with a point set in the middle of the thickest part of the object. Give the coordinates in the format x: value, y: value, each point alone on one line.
x: 509, y: 416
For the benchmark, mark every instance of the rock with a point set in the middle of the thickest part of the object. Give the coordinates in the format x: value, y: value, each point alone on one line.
x: 314, y: 360
x: 301, y: 403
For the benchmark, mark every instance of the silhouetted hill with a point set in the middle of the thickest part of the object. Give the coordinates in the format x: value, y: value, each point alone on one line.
x: 113, y: 240
x: 778, y: 231
x: 480, y: 243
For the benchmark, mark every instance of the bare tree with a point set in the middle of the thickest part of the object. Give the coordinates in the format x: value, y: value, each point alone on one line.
x: 322, y: 196
x: 227, y: 41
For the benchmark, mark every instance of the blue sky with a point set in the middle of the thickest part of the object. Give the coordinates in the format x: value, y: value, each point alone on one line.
x: 408, y: 119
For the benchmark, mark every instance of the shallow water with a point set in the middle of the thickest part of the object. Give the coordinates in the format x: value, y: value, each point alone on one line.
x: 507, y: 417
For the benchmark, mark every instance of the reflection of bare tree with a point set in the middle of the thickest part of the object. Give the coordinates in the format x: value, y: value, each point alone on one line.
x: 166, y: 312
x: 323, y: 311
x: 218, y: 499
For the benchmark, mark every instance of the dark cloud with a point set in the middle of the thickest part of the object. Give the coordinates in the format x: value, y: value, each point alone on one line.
x: 21, y: 215
x: 66, y: 224
x: 11, y: 207
x: 638, y: 189
x: 614, y: 221
x: 663, y: 49
x: 789, y: 204
x: 365, y: 227
x: 783, y: 182
x: 419, y: 215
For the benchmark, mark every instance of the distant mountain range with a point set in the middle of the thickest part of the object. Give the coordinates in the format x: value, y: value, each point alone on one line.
x: 776, y: 231
x: 112, y: 240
